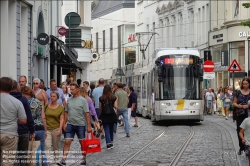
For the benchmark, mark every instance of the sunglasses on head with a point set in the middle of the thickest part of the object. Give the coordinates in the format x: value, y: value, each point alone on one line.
x: 35, y: 83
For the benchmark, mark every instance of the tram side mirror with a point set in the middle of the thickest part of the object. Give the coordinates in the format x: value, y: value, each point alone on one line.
x: 160, y: 74
x: 158, y: 62
x: 201, y: 72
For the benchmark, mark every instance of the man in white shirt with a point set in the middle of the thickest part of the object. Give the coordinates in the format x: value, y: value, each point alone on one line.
x: 210, y: 98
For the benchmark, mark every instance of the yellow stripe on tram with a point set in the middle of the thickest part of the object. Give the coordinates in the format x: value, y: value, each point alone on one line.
x: 180, y: 105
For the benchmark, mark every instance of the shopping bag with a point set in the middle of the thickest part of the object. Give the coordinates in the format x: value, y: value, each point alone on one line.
x: 34, y: 157
x: 91, y: 144
x: 214, y: 107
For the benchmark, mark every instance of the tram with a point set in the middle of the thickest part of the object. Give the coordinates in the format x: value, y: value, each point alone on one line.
x: 168, y: 84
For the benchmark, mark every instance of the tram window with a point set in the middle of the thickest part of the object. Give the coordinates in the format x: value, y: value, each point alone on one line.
x: 179, y: 83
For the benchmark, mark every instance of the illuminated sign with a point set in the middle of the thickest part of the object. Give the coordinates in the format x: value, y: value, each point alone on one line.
x: 132, y: 38
x: 178, y: 61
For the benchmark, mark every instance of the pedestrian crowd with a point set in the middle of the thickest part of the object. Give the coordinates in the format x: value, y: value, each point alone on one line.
x: 44, y: 114
x: 235, y: 104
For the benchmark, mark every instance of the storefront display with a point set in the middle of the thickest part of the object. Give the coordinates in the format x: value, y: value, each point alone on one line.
x: 230, y: 42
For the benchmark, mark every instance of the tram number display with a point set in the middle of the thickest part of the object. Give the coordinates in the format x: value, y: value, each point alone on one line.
x: 178, y: 61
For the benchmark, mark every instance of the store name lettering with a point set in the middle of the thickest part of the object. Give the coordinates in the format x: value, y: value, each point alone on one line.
x: 244, y: 34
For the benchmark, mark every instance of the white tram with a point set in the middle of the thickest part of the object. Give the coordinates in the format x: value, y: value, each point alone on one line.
x: 168, y: 84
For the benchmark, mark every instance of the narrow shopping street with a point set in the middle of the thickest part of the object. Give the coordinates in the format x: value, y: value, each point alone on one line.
x: 211, y: 142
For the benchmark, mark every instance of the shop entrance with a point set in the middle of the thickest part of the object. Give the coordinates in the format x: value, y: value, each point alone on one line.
x: 238, y: 76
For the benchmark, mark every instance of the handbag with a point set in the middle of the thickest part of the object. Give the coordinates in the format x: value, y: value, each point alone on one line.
x: 34, y: 157
x: 240, y: 112
x: 231, y: 107
x: 91, y: 144
x: 227, y: 100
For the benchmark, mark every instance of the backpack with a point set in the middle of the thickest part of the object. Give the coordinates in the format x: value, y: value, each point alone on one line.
x: 107, y: 107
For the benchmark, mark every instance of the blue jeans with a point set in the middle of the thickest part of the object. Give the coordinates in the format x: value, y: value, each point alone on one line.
x: 40, y: 136
x: 97, y: 111
x: 124, y: 114
x: 109, y: 132
x: 71, y: 130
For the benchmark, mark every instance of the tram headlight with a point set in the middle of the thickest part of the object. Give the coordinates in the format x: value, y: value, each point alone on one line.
x: 194, y: 103
x: 168, y: 104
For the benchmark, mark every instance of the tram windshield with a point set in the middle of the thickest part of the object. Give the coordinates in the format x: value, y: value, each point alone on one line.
x: 180, y: 81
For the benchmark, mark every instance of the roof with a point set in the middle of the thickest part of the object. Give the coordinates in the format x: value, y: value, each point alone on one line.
x: 104, y: 7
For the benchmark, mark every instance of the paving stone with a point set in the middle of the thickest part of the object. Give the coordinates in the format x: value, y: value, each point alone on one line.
x: 211, y: 145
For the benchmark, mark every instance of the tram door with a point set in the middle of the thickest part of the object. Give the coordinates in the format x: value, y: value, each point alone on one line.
x: 149, y: 91
x: 137, y: 87
x: 144, y: 94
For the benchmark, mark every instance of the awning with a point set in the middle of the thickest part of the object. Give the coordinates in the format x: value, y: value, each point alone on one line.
x: 68, y: 52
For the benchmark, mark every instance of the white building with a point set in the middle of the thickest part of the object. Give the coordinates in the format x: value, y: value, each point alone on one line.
x: 83, y: 8
x: 228, y: 41
x: 21, y: 22
x: 178, y: 23
x: 113, y: 22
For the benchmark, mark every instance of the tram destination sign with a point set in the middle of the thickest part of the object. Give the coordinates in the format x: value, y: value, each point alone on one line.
x: 178, y: 61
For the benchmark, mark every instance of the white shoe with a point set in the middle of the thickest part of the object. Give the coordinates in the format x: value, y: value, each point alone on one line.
x: 226, y: 118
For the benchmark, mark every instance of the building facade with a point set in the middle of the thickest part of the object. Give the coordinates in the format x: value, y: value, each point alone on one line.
x: 83, y: 55
x: 21, y: 22
x: 179, y: 23
x: 228, y: 41
x: 112, y: 34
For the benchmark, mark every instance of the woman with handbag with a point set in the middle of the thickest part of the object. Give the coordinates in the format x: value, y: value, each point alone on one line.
x: 240, y: 103
x: 225, y: 97
x: 108, y: 115
x: 37, y: 111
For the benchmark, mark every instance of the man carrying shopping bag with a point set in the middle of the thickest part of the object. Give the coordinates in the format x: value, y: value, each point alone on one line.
x: 76, y: 114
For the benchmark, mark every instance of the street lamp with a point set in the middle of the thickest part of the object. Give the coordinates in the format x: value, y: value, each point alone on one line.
x: 119, y: 72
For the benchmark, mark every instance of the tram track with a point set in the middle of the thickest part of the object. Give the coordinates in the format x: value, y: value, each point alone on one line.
x: 182, y: 149
x: 170, y: 162
x: 141, y: 150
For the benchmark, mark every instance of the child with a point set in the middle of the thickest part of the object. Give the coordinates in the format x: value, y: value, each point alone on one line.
x: 244, y: 134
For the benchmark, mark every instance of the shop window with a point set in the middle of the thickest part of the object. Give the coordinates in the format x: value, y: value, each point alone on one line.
x: 216, y: 52
x: 219, y: 75
x: 225, y: 79
x: 237, y: 51
x: 130, y: 55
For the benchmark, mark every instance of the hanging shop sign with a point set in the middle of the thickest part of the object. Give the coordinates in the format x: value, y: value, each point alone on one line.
x: 62, y: 31
x: 43, y: 39
x: 87, y: 44
x: 224, y: 58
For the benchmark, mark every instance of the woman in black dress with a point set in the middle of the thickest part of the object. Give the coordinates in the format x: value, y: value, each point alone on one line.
x: 240, y: 103
x: 107, y: 107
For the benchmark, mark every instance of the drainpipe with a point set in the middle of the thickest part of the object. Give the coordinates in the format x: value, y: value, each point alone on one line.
x: 209, y: 23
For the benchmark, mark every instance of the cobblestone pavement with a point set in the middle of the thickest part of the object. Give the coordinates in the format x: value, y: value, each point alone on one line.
x: 165, y: 148
x: 213, y: 143
x: 230, y: 126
